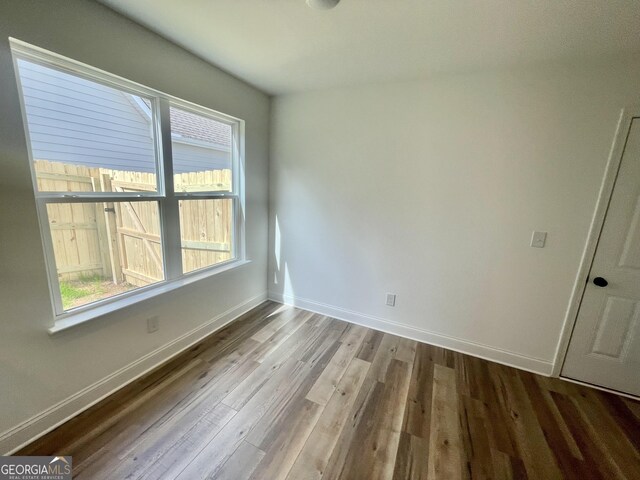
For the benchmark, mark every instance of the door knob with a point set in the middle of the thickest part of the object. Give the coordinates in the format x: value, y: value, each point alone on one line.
x: 600, y: 282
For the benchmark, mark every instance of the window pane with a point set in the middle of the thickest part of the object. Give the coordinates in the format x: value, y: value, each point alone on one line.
x: 104, y: 249
x: 85, y: 136
x: 201, y: 150
x: 206, y: 231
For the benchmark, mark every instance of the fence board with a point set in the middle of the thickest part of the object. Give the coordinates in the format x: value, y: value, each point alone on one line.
x: 85, y: 269
x: 140, y: 227
x: 63, y: 177
x: 73, y: 226
x: 116, y: 260
x: 146, y: 280
x: 208, y: 246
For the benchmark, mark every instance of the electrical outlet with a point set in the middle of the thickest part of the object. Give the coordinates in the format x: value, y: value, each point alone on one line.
x: 153, y: 324
x: 391, y: 299
x: 538, y: 239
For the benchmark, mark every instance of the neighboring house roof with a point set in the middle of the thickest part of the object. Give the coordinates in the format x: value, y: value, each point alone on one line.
x: 188, y: 125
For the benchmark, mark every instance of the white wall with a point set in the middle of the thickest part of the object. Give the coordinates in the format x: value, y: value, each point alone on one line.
x: 37, y: 370
x: 432, y: 189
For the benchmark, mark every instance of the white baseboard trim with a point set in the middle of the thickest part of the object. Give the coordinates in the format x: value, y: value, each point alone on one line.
x: 26, y: 432
x: 487, y: 352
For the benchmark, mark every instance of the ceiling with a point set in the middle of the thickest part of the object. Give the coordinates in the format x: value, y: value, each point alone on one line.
x: 283, y: 46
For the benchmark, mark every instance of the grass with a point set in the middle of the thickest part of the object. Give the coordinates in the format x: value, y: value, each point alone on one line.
x: 74, y: 290
x: 70, y: 293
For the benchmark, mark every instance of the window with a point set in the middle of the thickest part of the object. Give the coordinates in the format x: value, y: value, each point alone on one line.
x: 137, y: 191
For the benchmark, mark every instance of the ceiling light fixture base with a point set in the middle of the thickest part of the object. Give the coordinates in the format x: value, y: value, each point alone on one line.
x: 322, y: 4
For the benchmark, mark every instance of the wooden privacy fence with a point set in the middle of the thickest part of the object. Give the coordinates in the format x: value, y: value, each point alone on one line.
x: 121, y: 240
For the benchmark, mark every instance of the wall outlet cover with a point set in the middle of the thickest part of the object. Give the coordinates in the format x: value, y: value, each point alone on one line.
x: 153, y: 324
x: 391, y: 299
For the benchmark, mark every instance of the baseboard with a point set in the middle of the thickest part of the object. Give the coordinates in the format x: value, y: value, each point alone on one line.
x: 26, y: 432
x: 487, y: 352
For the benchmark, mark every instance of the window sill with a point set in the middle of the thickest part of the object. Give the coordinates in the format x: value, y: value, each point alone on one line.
x: 73, y: 319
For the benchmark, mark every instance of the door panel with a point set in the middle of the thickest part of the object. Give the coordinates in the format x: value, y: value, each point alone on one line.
x: 613, y: 330
x: 605, y: 345
x: 631, y: 253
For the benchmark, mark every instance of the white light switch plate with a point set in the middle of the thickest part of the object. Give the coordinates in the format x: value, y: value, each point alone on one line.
x: 538, y: 239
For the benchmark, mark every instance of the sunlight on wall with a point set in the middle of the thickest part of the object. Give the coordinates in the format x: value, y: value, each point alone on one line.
x: 288, y: 286
x: 277, y: 249
x: 281, y: 270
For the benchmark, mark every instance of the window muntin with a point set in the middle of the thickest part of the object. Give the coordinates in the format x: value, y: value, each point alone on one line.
x: 152, y: 240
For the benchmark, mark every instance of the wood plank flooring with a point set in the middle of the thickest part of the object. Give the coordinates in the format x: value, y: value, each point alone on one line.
x: 282, y: 393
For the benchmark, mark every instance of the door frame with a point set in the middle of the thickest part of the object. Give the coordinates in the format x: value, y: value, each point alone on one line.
x: 595, y: 229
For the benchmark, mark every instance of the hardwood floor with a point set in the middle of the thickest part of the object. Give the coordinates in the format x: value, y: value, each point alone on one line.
x: 284, y: 393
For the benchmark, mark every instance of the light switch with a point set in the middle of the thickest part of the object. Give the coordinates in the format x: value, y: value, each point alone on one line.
x: 538, y: 239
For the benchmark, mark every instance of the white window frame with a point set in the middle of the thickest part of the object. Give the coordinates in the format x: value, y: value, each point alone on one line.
x: 166, y: 197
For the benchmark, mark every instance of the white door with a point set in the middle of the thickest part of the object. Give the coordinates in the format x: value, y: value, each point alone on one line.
x: 605, y: 345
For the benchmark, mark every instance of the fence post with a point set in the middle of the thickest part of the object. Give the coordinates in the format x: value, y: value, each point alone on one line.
x: 101, y: 224
x: 114, y: 247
